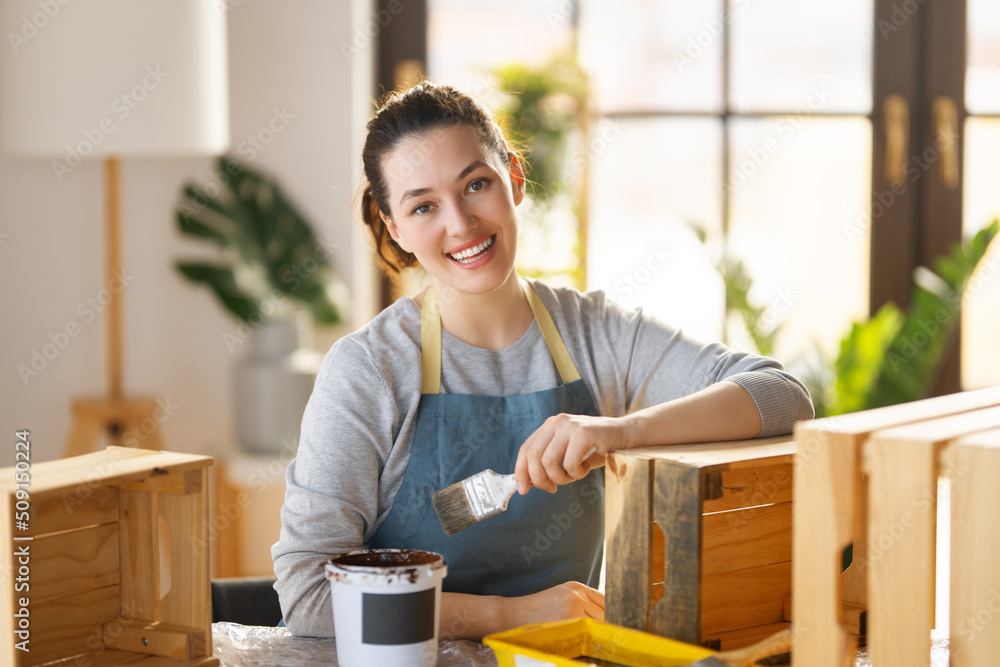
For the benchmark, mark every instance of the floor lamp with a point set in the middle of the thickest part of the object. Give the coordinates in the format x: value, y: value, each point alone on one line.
x: 109, y: 80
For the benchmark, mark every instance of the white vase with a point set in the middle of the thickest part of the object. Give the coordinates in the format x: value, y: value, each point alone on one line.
x: 273, y: 382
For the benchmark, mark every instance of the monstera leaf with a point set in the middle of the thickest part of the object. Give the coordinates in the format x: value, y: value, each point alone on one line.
x: 268, y: 249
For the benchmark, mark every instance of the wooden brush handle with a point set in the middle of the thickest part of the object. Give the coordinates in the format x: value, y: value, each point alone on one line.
x: 779, y: 642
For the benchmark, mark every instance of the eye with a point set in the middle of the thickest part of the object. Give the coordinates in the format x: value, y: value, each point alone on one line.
x: 423, y: 209
x: 478, y: 185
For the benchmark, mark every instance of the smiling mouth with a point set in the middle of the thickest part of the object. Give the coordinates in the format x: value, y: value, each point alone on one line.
x: 475, y: 252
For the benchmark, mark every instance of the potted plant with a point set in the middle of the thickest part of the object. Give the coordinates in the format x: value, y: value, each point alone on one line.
x: 269, y: 270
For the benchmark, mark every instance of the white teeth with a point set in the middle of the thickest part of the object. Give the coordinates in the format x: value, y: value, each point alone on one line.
x: 466, y: 255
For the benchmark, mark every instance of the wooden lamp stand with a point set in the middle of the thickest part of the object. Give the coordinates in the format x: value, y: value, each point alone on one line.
x: 129, y: 422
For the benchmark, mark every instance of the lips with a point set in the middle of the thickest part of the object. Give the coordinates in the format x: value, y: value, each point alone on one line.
x: 471, y: 253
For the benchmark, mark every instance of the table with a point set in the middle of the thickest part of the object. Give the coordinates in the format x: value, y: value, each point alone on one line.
x: 250, y: 646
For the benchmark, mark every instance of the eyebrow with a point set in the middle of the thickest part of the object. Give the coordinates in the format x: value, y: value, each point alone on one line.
x: 419, y: 192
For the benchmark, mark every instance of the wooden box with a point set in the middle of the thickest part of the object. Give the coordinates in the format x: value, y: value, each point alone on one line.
x: 110, y: 563
x: 871, y: 479
x: 699, y: 544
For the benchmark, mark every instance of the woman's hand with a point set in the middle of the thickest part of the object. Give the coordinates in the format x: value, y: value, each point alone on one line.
x: 569, y: 600
x: 566, y: 447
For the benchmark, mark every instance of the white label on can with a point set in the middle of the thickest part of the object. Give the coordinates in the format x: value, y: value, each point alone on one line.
x: 525, y: 661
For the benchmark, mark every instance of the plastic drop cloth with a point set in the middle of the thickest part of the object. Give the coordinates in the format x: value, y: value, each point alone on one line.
x: 238, y: 645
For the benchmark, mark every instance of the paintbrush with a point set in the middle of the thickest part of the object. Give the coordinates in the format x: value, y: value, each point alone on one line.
x: 475, y: 498
x: 780, y: 642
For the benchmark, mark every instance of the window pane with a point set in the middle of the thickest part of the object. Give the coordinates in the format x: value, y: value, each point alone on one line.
x: 467, y: 39
x: 653, y: 55
x: 800, y: 200
x: 982, y: 83
x: 650, y: 179
x: 981, y: 310
x: 784, y: 49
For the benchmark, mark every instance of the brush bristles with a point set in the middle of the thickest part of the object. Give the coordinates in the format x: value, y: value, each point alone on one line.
x: 452, y: 507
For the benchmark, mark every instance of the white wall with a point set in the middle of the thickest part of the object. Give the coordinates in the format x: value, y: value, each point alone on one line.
x: 284, y: 56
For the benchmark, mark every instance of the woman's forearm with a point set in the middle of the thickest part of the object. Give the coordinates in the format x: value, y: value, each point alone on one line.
x: 471, y: 616
x: 722, y: 411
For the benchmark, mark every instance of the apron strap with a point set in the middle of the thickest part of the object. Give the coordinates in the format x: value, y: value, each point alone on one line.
x: 430, y: 344
x: 557, y: 348
x: 430, y: 341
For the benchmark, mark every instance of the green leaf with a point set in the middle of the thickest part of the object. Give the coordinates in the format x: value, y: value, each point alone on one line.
x: 861, y: 354
x: 194, y: 227
x: 223, y: 282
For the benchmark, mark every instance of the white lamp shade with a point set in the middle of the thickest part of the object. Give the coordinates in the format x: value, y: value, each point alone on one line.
x: 113, y: 77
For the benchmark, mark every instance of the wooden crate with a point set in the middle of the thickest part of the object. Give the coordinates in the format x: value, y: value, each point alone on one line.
x: 699, y: 545
x: 113, y: 567
x: 871, y: 479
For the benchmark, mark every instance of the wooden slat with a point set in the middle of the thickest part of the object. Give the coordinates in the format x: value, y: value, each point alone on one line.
x: 746, y: 538
x: 69, y: 625
x: 110, y: 465
x: 140, y: 555
x: 163, y: 639
x: 8, y: 599
x: 744, y: 598
x: 902, y: 466
x: 734, y: 454
x: 740, y: 487
x: 188, y: 602
x: 84, y: 505
x: 101, y: 658
x: 161, y: 480
x: 74, y: 562
x: 156, y: 661
x: 823, y: 517
x: 901, y: 536
x: 628, y: 520
x: 827, y: 472
x: 974, y: 463
x: 733, y: 639
x: 677, y: 493
x: 868, y: 421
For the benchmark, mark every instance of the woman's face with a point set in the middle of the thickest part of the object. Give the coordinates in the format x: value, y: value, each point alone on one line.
x: 452, y: 205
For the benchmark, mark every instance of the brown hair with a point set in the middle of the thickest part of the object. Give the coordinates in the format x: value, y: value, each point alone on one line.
x: 410, y: 113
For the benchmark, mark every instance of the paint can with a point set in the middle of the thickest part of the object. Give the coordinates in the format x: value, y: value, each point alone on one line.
x: 386, y: 607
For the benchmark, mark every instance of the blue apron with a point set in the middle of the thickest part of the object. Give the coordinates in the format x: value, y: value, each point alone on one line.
x: 542, y: 539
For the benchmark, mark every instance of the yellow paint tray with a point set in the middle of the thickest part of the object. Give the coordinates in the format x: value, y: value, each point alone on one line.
x: 586, y: 641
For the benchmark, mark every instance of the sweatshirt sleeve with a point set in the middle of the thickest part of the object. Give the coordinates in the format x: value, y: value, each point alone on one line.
x: 659, y: 363
x: 332, y: 497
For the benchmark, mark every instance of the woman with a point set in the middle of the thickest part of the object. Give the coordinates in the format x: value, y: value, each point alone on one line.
x: 484, y: 370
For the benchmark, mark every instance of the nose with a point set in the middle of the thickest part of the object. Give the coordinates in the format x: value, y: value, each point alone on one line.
x: 461, y: 220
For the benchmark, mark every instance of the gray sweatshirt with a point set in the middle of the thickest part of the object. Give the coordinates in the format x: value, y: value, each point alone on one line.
x: 359, y: 422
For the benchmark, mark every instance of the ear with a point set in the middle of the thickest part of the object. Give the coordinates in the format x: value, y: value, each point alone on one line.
x: 516, y: 179
x: 394, y: 232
